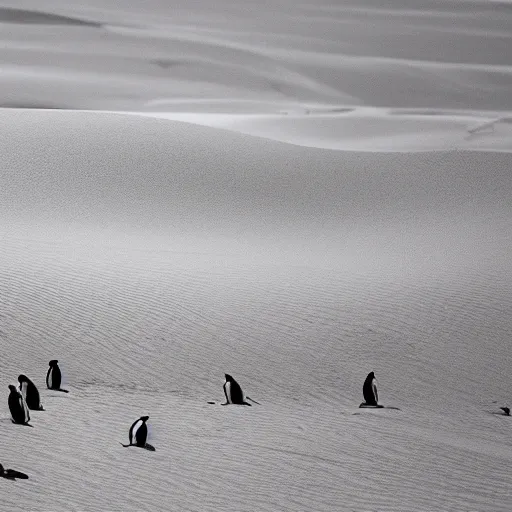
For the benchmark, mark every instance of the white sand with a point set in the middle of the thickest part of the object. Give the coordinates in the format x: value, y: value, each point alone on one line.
x: 151, y: 256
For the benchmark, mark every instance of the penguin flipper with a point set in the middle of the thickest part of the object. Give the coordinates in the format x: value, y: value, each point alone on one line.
x: 125, y: 445
x: 247, y: 403
x: 149, y: 447
x: 62, y: 390
x: 249, y: 398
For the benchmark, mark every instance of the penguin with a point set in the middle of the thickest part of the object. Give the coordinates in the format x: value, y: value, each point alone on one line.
x: 18, y: 407
x: 30, y: 393
x: 233, y: 392
x: 506, y: 410
x: 138, y: 434
x: 371, y: 397
x: 11, y: 474
x: 54, y: 377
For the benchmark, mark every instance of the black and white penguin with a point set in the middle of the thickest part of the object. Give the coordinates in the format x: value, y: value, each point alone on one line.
x: 30, y: 393
x: 11, y: 474
x: 233, y: 392
x: 18, y: 407
x: 54, y: 377
x: 371, y: 397
x: 139, y: 433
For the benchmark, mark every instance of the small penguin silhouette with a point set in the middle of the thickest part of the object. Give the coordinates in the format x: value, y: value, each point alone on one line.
x: 138, y: 434
x: 30, y: 393
x: 371, y: 397
x: 54, y: 377
x: 18, y: 407
x: 234, y: 393
x: 506, y: 410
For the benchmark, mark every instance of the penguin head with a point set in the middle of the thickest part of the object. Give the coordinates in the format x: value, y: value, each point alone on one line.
x: 22, y: 378
x: 53, y: 362
x: 144, y: 418
x: 1, y: 469
x: 12, y: 388
x: 371, y: 375
x: 228, y: 377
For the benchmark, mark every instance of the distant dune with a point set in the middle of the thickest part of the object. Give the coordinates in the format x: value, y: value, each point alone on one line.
x: 21, y: 16
x: 437, y: 55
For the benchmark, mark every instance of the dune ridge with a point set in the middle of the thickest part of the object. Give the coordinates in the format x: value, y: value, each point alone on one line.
x: 22, y: 16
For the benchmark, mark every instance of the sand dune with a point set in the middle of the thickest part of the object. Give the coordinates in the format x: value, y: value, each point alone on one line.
x: 343, y: 75
x: 433, y: 55
x: 367, y: 129
x: 292, y: 193
x: 151, y: 256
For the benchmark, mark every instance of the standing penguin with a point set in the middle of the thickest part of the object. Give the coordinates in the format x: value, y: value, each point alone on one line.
x: 371, y: 397
x: 30, y: 393
x: 18, y: 407
x: 233, y: 392
x: 138, y: 434
x: 54, y: 377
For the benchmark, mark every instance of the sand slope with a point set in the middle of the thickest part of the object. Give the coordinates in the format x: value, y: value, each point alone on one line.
x: 337, y: 201
x: 151, y: 256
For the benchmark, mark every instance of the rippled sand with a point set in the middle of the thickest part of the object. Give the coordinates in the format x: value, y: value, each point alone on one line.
x: 337, y: 202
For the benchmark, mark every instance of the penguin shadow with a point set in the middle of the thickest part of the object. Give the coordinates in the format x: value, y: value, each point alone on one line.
x: 22, y: 424
x: 147, y: 446
x: 213, y: 402
x: 378, y: 406
x: 62, y: 393
x: 12, y: 474
x: 10, y: 420
x: 505, y: 411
